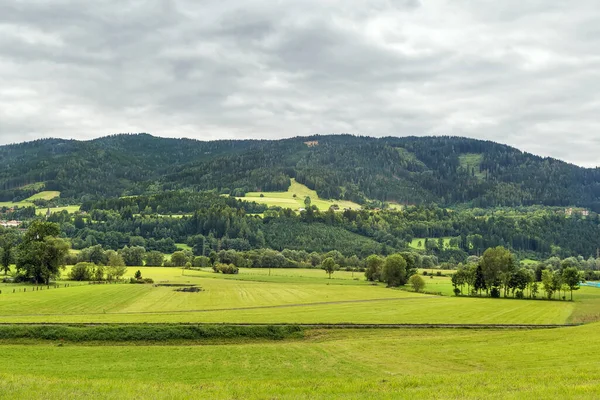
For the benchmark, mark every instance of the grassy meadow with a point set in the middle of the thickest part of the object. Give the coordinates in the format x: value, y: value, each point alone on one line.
x: 324, y: 364
x: 45, y: 195
x: 287, y: 199
x: 285, y: 296
x: 309, y: 364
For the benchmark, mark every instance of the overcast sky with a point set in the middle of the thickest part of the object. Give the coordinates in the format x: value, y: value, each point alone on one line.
x: 521, y: 72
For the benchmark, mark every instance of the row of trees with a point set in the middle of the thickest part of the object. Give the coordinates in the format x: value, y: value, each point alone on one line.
x: 85, y: 271
x: 497, y: 272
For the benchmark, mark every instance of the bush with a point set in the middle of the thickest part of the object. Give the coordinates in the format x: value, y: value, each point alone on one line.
x: 229, y: 269
x: 456, y: 291
x: 519, y: 294
x: 141, y: 280
x: 495, y: 293
x: 82, y: 272
x: 416, y: 282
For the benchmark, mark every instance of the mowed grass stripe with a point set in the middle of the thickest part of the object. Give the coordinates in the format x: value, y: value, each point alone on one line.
x: 433, y: 310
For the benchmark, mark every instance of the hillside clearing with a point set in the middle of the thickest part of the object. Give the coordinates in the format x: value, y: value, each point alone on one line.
x: 46, y: 195
x: 287, y: 199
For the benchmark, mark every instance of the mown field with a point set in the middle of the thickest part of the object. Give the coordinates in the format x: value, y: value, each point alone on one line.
x: 45, y: 195
x: 311, y: 364
x: 355, y: 364
x: 285, y: 296
x: 287, y: 199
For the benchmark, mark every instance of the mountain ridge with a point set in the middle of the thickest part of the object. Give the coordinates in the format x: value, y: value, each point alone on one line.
x: 445, y: 170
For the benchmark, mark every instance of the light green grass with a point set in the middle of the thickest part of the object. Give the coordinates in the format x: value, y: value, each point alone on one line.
x: 470, y: 162
x: 183, y: 246
x: 415, y: 243
x: 348, y: 364
x: 20, y: 204
x: 287, y: 199
x: 69, y: 209
x: 47, y: 195
x: 287, y: 296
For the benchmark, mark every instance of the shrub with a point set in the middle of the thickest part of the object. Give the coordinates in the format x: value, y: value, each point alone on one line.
x: 230, y: 269
x: 519, y: 294
x: 82, y: 272
x: 495, y: 293
x: 456, y: 291
x: 416, y: 282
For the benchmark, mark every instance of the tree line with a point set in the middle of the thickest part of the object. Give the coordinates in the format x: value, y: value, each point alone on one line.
x: 498, y: 273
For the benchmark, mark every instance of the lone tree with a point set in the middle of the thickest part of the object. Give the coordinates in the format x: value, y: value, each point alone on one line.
x: 394, y: 270
x: 416, y: 282
x: 329, y: 266
x: 571, y: 278
x: 307, y: 202
x: 41, y: 255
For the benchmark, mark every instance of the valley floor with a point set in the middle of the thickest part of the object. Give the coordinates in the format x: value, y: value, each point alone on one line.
x: 321, y: 363
x: 350, y: 364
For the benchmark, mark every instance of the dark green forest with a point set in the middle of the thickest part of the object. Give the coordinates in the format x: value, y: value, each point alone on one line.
x: 447, y: 171
x: 219, y: 222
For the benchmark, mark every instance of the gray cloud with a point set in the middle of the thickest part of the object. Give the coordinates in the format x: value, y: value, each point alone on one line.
x: 525, y: 73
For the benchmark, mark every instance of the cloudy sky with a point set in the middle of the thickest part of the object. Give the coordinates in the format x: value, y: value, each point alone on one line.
x: 521, y: 72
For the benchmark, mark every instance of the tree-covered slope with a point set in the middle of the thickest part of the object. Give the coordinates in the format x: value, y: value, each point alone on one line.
x: 410, y: 170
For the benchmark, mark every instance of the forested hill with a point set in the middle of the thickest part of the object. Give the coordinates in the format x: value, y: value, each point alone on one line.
x: 408, y: 170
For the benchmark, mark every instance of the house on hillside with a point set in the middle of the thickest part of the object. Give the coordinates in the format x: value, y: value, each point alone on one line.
x: 312, y: 143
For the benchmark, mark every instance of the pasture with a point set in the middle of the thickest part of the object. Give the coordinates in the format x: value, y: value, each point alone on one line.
x: 312, y: 363
x: 46, y: 195
x: 285, y: 296
x: 288, y: 200
x: 324, y: 364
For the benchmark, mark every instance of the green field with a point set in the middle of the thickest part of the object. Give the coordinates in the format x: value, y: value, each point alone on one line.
x: 357, y: 364
x: 316, y: 363
x: 286, y: 296
x: 47, y: 195
x: 11, y: 204
x: 287, y: 199
x: 69, y: 209
x: 414, y: 244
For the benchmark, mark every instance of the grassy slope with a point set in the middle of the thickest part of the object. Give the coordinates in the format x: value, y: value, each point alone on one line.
x: 560, y: 363
x: 472, y: 161
x: 231, y: 297
x: 47, y: 195
x: 287, y: 200
x: 415, y: 243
